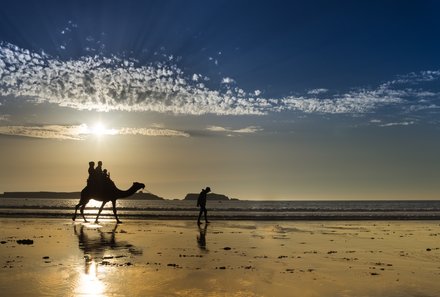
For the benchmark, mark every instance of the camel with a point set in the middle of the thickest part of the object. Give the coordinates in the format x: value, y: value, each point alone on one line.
x: 108, y: 192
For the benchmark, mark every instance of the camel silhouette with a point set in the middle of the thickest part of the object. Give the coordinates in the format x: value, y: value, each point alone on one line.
x: 105, y: 193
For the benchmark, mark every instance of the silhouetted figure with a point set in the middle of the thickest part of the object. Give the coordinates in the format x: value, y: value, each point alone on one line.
x: 100, y: 179
x: 201, y: 202
x: 91, y: 170
x: 100, y: 187
x: 109, y: 192
x: 201, y: 238
x: 98, y: 169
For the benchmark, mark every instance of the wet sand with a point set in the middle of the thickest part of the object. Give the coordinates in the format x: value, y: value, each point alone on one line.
x: 55, y: 257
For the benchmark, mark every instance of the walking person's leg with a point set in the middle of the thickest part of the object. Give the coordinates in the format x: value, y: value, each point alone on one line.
x: 206, y: 215
x: 200, y: 215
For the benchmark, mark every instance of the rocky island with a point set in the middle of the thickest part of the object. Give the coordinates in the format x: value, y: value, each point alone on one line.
x: 69, y: 195
x: 210, y: 196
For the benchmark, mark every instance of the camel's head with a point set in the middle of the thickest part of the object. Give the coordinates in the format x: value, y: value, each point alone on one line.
x: 138, y: 186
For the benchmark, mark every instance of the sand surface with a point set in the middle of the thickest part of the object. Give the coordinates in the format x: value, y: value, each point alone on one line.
x: 238, y: 258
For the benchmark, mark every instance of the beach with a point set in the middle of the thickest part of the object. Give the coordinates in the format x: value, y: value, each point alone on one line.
x: 58, y: 257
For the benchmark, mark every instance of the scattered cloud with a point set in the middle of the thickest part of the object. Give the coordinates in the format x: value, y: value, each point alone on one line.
x: 152, y: 132
x: 419, y: 107
x: 46, y: 131
x: 111, y: 83
x: 4, y: 117
x: 249, y: 129
x: 215, y: 61
x: 359, y: 101
x: 398, y: 124
x: 81, y: 132
x: 157, y: 125
x: 228, y: 80
x: 317, y: 91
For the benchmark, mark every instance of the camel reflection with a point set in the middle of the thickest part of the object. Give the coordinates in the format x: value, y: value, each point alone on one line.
x: 101, y: 247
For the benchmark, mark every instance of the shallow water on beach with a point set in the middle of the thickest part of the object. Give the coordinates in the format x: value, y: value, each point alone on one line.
x: 239, y: 258
x: 229, y: 209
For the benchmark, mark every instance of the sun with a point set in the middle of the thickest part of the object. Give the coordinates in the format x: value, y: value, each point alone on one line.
x: 98, y: 129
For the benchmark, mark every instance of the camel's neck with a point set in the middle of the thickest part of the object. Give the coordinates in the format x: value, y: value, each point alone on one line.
x: 126, y: 193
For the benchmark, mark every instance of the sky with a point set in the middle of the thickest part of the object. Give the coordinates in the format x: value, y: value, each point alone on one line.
x: 265, y: 100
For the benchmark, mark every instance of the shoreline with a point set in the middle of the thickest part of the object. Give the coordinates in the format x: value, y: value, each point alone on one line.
x: 213, y: 216
x: 233, y: 211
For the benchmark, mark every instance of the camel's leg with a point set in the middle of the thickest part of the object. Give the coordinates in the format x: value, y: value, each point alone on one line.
x: 99, y: 212
x: 76, y: 209
x: 82, y: 212
x: 82, y: 202
x: 114, y: 211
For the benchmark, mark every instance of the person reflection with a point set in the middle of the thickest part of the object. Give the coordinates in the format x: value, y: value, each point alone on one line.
x: 201, y: 237
x: 102, y: 247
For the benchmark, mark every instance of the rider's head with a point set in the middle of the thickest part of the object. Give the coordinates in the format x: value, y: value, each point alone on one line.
x: 100, y: 163
x: 91, y: 164
x: 208, y: 189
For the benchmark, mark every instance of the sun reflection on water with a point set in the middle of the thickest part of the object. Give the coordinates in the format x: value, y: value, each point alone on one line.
x: 102, y: 252
x: 89, y: 283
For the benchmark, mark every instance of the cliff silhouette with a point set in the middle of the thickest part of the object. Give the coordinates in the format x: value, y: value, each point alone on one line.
x: 210, y: 196
x: 137, y: 196
x: 69, y: 195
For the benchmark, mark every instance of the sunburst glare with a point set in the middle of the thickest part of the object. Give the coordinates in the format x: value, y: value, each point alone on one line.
x: 98, y: 130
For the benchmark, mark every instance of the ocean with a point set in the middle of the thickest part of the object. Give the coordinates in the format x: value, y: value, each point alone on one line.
x: 229, y: 210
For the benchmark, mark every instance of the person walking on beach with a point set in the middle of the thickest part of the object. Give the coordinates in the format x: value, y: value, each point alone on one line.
x: 201, y: 202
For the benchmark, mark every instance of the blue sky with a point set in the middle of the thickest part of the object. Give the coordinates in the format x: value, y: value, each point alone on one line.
x: 294, y: 75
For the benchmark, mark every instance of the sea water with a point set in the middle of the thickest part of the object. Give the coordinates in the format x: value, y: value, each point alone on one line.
x: 233, y: 209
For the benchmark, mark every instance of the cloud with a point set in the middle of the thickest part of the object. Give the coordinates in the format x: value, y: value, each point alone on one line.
x: 398, y: 124
x: 317, y: 91
x: 227, y: 80
x: 359, y: 101
x: 249, y: 129
x: 46, y: 132
x: 152, y: 132
x: 111, y: 83
x: 4, y: 117
x: 81, y: 132
x: 419, y: 107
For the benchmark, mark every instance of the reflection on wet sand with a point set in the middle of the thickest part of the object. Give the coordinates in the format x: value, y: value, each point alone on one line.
x: 101, y: 251
x: 237, y: 258
x: 201, y: 237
